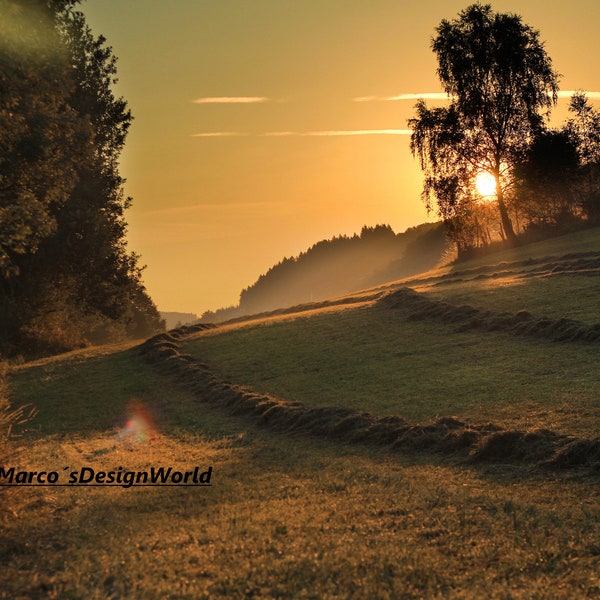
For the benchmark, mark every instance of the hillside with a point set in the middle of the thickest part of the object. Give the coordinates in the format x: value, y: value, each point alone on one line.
x: 434, y: 442
x: 388, y: 348
x: 175, y: 319
x: 340, y: 266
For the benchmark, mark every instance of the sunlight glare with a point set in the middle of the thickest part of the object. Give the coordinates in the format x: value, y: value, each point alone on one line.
x: 485, y: 184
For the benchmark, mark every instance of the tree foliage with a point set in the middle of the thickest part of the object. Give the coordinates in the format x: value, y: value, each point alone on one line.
x: 500, y: 82
x: 546, y: 180
x: 558, y: 177
x: 66, y: 276
x: 584, y: 130
x: 38, y: 130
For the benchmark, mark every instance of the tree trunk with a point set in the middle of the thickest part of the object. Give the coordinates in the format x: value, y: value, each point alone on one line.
x: 507, y: 227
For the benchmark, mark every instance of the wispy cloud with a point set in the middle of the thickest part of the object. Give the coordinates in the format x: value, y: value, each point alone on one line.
x: 569, y: 93
x: 214, y: 134
x: 350, y: 132
x: 331, y: 133
x: 232, y: 100
x: 424, y: 95
x: 444, y: 96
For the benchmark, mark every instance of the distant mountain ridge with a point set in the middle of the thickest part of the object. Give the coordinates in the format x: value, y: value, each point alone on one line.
x: 340, y: 266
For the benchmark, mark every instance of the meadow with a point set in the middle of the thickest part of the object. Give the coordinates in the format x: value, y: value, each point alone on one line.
x: 295, y: 512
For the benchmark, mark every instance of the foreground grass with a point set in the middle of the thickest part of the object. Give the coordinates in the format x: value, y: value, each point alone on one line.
x: 285, y: 517
x: 303, y: 520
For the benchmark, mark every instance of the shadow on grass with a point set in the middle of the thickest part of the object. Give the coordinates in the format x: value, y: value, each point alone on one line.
x: 147, y: 542
x: 123, y: 393
x: 112, y: 393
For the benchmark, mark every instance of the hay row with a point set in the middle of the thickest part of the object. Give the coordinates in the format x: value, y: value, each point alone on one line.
x: 448, y: 435
x: 522, y: 323
x: 573, y: 262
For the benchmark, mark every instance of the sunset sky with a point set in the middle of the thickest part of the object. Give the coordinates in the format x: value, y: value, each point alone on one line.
x: 264, y: 126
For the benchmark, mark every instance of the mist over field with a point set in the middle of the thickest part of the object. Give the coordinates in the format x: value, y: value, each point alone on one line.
x: 340, y: 266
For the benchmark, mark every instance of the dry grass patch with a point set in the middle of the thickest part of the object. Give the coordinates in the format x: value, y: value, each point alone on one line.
x: 289, y: 518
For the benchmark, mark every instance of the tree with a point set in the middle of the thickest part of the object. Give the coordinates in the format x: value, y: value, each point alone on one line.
x: 66, y: 276
x: 39, y: 131
x: 499, y: 79
x: 547, y: 180
x: 89, y: 244
x: 584, y: 130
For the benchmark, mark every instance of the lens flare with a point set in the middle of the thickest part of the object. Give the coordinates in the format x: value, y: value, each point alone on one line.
x: 139, y: 425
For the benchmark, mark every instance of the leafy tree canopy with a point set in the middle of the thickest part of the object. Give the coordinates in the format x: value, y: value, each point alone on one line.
x: 500, y: 83
x: 66, y: 276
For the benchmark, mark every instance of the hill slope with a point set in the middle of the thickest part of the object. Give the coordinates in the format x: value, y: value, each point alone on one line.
x: 339, y: 266
x: 288, y: 511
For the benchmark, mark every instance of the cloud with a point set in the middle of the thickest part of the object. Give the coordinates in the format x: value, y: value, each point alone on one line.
x: 352, y: 132
x: 569, y: 93
x: 280, y: 134
x: 424, y: 95
x: 210, y: 134
x: 444, y: 96
x: 331, y: 133
x: 232, y: 100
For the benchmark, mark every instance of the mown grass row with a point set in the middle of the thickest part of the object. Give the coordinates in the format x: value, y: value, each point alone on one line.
x: 565, y: 295
x: 375, y: 360
x: 369, y: 359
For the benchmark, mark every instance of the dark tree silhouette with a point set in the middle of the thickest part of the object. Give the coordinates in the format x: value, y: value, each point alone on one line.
x: 499, y: 80
x: 547, y: 181
x: 66, y: 276
x: 39, y: 131
x: 584, y: 130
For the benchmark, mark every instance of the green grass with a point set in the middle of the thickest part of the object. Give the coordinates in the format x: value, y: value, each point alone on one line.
x: 295, y: 517
x: 373, y: 359
x: 495, y: 282
x: 552, y: 297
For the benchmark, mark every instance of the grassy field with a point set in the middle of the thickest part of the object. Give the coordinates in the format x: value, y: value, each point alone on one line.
x: 372, y: 358
x: 295, y: 516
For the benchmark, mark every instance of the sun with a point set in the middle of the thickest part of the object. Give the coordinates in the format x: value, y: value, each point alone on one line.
x: 485, y: 184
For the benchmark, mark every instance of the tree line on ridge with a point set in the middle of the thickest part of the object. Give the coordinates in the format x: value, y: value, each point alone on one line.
x: 339, y: 266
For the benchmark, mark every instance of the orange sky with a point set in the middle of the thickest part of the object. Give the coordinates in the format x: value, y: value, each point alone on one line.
x: 309, y: 144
